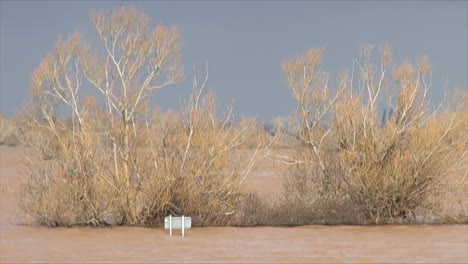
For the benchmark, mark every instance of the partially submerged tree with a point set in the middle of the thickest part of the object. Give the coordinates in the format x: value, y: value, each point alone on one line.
x: 109, y: 160
x: 349, y: 158
x: 138, y: 62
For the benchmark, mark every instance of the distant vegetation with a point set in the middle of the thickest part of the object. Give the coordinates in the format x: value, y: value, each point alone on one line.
x: 8, y: 132
x: 111, y: 160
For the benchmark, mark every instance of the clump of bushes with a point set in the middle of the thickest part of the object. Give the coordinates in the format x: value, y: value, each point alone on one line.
x: 182, y: 163
x: 346, y: 158
x: 113, y: 162
x: 110, y: 160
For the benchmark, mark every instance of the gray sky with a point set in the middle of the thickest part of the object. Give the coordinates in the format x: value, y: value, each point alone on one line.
x: 245, y: 42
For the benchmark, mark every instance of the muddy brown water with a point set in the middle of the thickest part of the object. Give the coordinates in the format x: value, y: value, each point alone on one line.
x: 331, y: 244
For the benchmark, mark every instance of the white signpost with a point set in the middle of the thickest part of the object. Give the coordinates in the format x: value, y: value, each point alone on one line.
x: 176, y: 223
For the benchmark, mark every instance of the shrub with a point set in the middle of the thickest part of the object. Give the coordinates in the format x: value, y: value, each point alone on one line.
x: 116, y: 163
x: 346, y: 157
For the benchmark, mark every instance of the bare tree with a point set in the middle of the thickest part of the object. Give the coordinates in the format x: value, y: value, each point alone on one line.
x: 138, y: 61
x: 386, y: 171
x: 309, y: 87
x: 113, y: 161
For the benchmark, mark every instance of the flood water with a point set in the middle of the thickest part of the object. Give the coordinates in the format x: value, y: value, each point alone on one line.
x: 387, y: 244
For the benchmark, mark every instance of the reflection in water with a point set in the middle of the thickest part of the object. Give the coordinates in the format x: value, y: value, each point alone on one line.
x: 262, y: 244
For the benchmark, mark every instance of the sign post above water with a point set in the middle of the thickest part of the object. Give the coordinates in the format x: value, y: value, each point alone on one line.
x: 177, y: 223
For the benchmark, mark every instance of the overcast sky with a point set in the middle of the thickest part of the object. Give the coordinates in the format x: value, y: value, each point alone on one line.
x: 245, y: 42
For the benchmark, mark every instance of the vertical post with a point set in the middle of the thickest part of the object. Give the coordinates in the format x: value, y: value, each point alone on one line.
x: 170, y: 225
x: 183, y: 226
